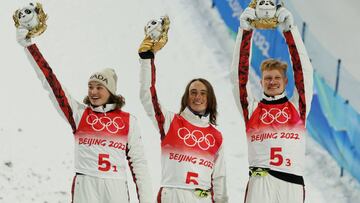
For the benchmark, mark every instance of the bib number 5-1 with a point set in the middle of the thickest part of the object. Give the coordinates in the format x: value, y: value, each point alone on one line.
x: 104, y: 163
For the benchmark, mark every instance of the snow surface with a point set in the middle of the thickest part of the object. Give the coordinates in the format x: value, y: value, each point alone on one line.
x: 336, y: 25
x: 36, y: 148
x: 331, y: 35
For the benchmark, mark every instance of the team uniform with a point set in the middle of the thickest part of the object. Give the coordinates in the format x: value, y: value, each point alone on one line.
x: 275, y: 126
x: 106, y: 138
x: 192, y: 157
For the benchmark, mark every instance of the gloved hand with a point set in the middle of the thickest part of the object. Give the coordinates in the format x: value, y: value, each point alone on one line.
x: 247, y: 15
x: 285, y: 18
x: 155, y: 41
x: 146, y: 45
x: 30, y: 21
x: 21, y: 37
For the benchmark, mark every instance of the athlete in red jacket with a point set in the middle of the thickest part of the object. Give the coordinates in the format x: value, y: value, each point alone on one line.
x: 105, y: 136
x: 275, y: 125
x: 192, y: 157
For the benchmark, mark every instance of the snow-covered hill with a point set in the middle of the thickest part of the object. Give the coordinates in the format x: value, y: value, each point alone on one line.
x: 336, y: 25
x: 36, y: 147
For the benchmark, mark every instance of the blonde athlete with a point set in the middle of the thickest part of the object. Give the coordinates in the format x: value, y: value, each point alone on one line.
x: 192, y: 156
x: 275, y: 125
x: 106, y: 138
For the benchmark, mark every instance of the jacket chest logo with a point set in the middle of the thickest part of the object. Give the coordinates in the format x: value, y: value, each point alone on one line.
x: 196, y: 138
x: 272, y: 115
x: 112, y: 125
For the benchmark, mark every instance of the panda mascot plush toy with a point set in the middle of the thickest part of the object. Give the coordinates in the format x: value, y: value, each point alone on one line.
x: 265, y: 11
x: 31, y: 17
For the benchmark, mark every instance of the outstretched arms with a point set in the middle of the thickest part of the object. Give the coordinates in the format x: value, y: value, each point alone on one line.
x: 300, y: 61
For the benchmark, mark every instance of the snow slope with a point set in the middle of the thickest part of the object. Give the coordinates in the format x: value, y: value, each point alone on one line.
x: 36, y: 148
x: 336, y: 25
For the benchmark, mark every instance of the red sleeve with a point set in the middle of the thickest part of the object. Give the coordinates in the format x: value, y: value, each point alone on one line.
x: 298, y: 72
x: 158, y: 113
x: 54, y: 84
x: 243, y: 71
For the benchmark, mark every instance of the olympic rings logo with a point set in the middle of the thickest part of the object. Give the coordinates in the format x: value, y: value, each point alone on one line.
x: 99, y: 124
x: 275, y: 114
x: 196, y: 137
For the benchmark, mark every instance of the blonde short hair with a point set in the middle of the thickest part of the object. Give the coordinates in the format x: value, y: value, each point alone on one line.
x: 274, y: 64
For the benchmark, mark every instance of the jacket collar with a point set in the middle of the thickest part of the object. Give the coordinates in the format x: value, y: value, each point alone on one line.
x: 103, y: 109
x: 201, y: 121
x: 273, y: 98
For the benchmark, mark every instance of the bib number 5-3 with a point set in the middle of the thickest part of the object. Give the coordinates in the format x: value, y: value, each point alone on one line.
x: 276, y: 157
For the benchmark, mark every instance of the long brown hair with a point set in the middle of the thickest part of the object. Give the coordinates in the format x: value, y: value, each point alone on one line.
x: 118, y: 100
x: 211, y: 99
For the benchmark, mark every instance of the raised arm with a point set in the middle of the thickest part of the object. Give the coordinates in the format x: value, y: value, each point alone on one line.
x: 149, y: 99
x: 303, y: 72
x: 302, y: 68
x: 240, y: 72
x: 148, y: 95
x: 66, y: 106
x: 245, y: 101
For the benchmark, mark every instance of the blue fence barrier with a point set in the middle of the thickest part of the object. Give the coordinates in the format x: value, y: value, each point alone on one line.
x: 335, y: 125
x: 332, y: 121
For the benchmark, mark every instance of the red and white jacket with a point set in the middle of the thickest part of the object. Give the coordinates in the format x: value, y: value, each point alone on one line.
x: 275, y: 126
x: 105, y: 137
x: 192, y: 153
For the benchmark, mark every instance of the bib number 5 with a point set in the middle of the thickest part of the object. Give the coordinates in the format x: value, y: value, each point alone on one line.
x: 276, y: 157
x: 191, y: 177
x: 104, y: 163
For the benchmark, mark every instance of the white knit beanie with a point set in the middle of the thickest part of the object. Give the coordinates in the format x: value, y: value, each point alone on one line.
x: 106, y: 77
